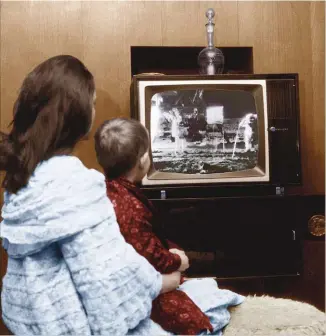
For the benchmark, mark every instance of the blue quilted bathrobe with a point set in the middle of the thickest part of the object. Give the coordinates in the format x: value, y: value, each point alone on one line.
x: 70, y: 271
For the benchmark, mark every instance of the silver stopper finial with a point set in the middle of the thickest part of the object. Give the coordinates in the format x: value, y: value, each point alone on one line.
x: 210, y: 13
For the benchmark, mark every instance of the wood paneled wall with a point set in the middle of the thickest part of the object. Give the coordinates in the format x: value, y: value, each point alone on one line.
x: 286, y: 37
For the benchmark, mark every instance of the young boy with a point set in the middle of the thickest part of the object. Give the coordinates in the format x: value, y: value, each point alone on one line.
x: 122, y: 149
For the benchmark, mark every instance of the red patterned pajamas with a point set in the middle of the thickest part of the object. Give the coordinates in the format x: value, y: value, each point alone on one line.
x: 174, y: 311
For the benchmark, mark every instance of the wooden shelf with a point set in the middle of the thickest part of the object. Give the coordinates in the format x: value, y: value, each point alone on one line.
x: 183, y: 60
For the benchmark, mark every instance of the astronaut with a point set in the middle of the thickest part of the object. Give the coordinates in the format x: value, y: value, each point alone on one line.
x: 177, y: 131
x: 248, y: 123
x: 156, y: 113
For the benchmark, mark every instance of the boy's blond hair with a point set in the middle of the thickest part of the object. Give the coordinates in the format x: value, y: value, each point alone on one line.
x: 119, y: 145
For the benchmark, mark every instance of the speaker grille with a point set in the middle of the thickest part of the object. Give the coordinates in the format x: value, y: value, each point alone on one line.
x: 281, y: 102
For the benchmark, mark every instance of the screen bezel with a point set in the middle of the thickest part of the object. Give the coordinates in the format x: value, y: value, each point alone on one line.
x: 147, y: 88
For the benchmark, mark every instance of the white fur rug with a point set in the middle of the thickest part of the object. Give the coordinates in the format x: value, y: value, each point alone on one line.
x: 265, y: 316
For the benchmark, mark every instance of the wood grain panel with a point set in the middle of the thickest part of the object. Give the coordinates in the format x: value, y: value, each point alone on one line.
x: 30, y: 33
x: 143, y: 28
x: 280, y: 34
x: 183, y: 23
x: 110, y: 29
x: 316, y: 114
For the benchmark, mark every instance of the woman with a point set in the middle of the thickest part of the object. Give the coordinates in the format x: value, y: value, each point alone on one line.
x: 69, y: 269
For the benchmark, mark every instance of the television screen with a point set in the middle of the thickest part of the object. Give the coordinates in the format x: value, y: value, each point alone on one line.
x: 205, y: 131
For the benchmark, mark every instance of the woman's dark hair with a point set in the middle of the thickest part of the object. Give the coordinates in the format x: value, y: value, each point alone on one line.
x: 52, y: 113
x: 119, y: 145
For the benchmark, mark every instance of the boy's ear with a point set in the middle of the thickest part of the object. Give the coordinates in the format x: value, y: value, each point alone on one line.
x: 143, y: 160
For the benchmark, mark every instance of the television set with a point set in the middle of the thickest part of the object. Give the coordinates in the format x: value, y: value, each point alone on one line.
x: 209, y: 133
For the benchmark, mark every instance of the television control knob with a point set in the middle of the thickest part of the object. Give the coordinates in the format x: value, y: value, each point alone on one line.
x: 316, y: 225
x: 272, y: 129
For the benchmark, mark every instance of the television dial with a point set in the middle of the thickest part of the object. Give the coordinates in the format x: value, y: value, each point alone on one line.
x: 316, y: 225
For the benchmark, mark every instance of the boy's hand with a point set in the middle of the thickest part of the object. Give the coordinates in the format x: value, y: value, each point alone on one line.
x: 170, y: 282
x: 184, y: 259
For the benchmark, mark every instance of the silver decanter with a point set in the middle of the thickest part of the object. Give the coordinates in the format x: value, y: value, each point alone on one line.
x: 210, y: 59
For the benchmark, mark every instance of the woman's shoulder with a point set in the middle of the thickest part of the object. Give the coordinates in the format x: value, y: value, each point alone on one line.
x: 60, y: 182
x: 63, y: 165
x: 60, y: 174
x: 64, y: 172
x: 62, y: 197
